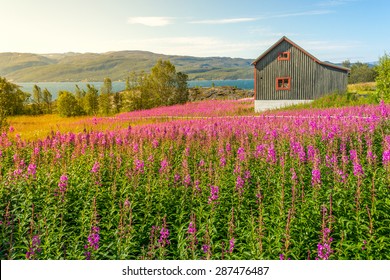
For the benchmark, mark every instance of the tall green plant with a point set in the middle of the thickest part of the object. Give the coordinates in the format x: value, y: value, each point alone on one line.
x: 383, y: 78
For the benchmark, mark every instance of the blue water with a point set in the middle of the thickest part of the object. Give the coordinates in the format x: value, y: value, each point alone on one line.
x: 55, y: 87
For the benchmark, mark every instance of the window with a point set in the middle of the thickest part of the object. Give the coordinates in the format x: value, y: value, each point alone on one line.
x: 283, y: 83
x: 284, y: 56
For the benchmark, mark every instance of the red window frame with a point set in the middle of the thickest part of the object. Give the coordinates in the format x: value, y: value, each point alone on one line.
x: 284, y: 56
x: 283, y: 83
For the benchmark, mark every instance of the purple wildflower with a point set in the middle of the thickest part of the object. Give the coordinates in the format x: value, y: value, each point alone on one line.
x: 324, y: 250
x: 177, y: 177
x: 241, y: 154
x: 357, y: 170
x: 126, y: 204
x: 206, y: 248
x: 222, y: 161
x: 32, y: 170
x: 187, y: 180
x: 240, y: 185
x: 96, y: 167
x: 191, y: 228
x: 164, y: 234
x: 231, y: 245
x: 139, y: 166
x: 164, y: 165
x: 386, y: 157
x: 315, y: 177
x: 214, y: 190
x: 63, y: 183
x: 93, y: 242
x: 34, y: 249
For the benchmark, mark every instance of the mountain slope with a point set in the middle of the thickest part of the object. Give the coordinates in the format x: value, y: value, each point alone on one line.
x: 23, y: 67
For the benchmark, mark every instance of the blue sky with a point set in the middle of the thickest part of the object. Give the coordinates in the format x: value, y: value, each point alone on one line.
x: 331, y: 30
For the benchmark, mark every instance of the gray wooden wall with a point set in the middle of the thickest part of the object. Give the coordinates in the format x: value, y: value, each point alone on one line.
x: 309, y: 79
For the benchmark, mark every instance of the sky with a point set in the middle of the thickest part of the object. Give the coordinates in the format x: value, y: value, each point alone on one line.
x: 331, y: 30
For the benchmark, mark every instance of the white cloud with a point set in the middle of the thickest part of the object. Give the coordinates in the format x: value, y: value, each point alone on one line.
x: 307, y: 13
x: 151, y: 21
x: 223, y: 21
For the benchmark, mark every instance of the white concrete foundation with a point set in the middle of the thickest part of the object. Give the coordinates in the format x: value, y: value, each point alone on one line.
x: 263, y: 105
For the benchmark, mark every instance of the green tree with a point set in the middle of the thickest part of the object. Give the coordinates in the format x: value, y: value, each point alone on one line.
x: 37, y: 98
x: 162, y: 87
x: 383, y: 78
x: 361, y: 73
x: 107, y: 86
x: 47, y: 101
x: 91, y: 100
x: 12, y: 99
x: 181, y: 92
x: 67, y: 105
x: 105, y: 104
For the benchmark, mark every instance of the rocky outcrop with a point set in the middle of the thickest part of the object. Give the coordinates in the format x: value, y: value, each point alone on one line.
x: 223, y: 92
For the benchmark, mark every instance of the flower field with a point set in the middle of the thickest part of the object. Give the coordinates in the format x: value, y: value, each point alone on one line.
x: 308, y: 184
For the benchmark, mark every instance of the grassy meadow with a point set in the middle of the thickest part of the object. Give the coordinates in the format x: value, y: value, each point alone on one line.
x: 205, y: 180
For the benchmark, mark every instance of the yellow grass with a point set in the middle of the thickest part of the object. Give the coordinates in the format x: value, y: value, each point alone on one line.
x: 362, y: 87
x: 39, y: 127
x: 34, y: 127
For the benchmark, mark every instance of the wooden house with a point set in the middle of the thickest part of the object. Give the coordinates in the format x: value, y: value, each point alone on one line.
x: 287, y: 74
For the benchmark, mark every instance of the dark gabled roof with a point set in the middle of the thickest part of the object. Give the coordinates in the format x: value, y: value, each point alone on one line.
x: 284, y: 38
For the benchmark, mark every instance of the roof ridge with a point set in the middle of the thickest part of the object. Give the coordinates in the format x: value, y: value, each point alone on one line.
x: 284, y: 38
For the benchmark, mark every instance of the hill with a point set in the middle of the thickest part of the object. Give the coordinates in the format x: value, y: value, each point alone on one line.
x: 74, y: 67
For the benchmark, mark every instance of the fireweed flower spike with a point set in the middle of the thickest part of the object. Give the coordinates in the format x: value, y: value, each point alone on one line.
x: 93, y: 242
x: 35, y: 247
x: 214, y: 190
x: 323, y: 248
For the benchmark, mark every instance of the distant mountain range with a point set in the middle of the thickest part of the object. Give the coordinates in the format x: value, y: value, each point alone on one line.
x: 92, y: 67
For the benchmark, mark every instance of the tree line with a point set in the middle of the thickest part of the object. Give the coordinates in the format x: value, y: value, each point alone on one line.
x: 161, y: 87
x: 361, y: 72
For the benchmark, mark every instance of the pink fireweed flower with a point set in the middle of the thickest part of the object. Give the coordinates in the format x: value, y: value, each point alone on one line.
x: 323, y: 249
x: 214, y: 190
x: 164, y: 234
x: 240, y: 185
x: 191, y: 228
x: 247, y: 175
x: 228, y: 147
x: 93, y: 242
x: 96, y: 167
x: 206, y: 248
x: 139, y: 166
x: 259, y: 151
x: 357, y: 169
x: 35, y: 247
x: 164, y: 165
x: 126, y: 204
x: 271, y: 157
x: 294, y: 176
x: 231, y: 245
x: 241, y: 154
x: 196, y: 184
x: 177, y: 177
x: 155, y: 143
x: 386, y: 157
x: 353, y: 155
x: 187, y: 180
x: 222, y: 161
x: 201, y: 163
x: 63, y: 183
x: 32, y: 170
x: 316, y: 177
